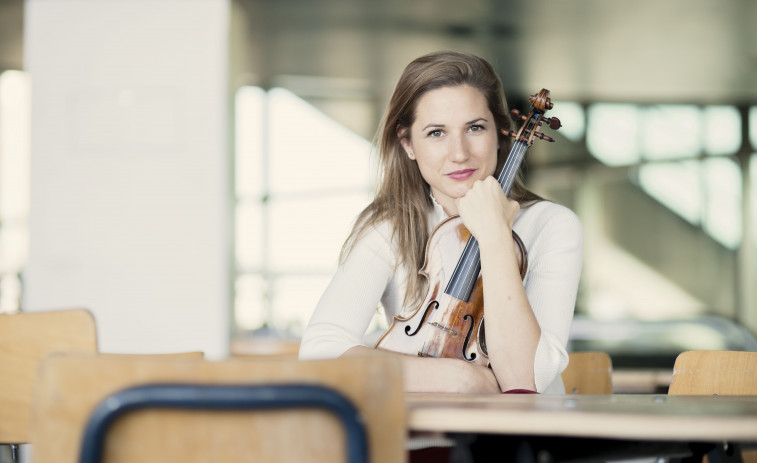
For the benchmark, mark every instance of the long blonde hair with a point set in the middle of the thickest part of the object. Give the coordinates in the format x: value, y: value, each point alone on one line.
x: 403, y: 196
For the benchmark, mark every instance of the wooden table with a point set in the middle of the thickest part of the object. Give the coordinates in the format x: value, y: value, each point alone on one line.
x: 630, y: 425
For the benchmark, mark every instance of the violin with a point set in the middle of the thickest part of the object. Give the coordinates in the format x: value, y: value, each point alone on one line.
x: 450, y: 321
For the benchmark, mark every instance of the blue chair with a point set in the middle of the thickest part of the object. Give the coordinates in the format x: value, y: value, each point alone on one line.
x: 224, y: 397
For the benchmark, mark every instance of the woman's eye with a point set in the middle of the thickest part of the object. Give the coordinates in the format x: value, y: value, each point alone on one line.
x: 435, y: 133
x: 476, y: 128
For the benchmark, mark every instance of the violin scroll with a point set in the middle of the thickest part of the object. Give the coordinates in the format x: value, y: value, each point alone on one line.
x: 540, y: 103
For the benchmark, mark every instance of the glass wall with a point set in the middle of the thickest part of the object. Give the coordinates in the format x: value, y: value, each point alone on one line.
x: 684, y: 158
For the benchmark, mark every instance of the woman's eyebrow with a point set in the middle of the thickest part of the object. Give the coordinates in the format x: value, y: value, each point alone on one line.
x: 480, y: 119
x: 435, y: 125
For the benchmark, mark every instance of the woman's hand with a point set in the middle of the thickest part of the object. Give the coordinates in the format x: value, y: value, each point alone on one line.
x: 486, y: 211
x: 478, y: 380
x: 448, y: 375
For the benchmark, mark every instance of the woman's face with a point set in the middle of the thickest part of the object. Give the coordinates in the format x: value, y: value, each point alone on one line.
x: 454, y: 141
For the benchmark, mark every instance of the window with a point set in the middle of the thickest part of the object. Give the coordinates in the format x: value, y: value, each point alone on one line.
x: 573, y: 119
x: 613, y: 133
x: 301, y: 179
x: 683, y: 156
x: 14, y: 185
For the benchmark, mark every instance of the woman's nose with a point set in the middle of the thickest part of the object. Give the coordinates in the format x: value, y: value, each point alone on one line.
x: 459, y: 149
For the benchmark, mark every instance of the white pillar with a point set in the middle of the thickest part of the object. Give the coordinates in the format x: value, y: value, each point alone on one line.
x: 130, y: 177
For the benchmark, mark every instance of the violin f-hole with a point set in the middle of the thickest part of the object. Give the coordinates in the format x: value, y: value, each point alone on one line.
x: 423, y: 319
x: 467, y: 338
x: 482, y: 337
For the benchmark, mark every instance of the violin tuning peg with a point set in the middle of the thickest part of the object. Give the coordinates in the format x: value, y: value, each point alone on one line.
x: 544, y: 137
x: 554, y: 123
x: 517, y: 116
x: 509, y: 133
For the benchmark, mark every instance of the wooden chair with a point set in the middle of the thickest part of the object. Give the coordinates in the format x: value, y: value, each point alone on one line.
x: 588, y: 373
x: 188, y: 355
x: 71, y: 387
x: 713, y: 372
x: 26, y: 339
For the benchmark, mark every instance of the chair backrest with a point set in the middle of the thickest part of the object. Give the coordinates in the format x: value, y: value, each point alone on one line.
x: 714, y: 372
x: 588, y: 373
x: 72, y: 386
x: 25, y: 340
x: 186, y: 355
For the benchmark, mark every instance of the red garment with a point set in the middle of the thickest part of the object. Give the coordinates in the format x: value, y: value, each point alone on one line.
x: 520, y: 391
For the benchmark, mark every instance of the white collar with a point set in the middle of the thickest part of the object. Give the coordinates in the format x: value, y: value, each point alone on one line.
x: 438, y: 213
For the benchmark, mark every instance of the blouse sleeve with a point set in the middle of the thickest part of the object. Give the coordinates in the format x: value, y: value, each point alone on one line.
x: 551, y: 286
x: 351, y: 299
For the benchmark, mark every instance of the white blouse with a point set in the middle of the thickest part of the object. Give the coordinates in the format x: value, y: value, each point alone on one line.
x: 553, y: 239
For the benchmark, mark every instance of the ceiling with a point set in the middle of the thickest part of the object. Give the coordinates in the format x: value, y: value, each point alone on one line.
x: 11, y: 34
x: 697, y: 51
x: 584, y: 50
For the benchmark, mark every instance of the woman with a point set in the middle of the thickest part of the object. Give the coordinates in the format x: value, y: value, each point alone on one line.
x: 440, y: 143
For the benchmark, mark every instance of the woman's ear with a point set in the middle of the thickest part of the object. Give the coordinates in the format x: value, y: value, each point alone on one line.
x: 408, y: 149
x: 405, y: 141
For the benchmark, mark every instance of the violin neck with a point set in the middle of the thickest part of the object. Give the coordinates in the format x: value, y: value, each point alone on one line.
x: 460, y: 285
x: 512, y: 164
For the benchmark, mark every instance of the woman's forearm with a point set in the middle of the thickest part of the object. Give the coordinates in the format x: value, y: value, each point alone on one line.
x: 512, y: 331
x: 426, y: 374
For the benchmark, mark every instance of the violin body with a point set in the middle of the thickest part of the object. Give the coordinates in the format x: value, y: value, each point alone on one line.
x: 444, y: 326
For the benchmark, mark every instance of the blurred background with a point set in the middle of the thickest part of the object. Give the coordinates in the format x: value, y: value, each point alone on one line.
x: 192, y: 167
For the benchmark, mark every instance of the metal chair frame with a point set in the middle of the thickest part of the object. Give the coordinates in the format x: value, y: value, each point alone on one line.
x: 223, y: 397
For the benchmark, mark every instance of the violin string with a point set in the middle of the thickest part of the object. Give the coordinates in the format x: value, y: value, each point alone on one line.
x: 511, y: 168
x: 470, y: 266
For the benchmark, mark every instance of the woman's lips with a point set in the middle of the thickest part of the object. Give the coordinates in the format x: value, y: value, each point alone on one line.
x: 461, y: 174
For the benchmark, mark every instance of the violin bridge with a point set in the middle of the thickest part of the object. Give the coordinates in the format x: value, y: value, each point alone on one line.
x: 452, y: 332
